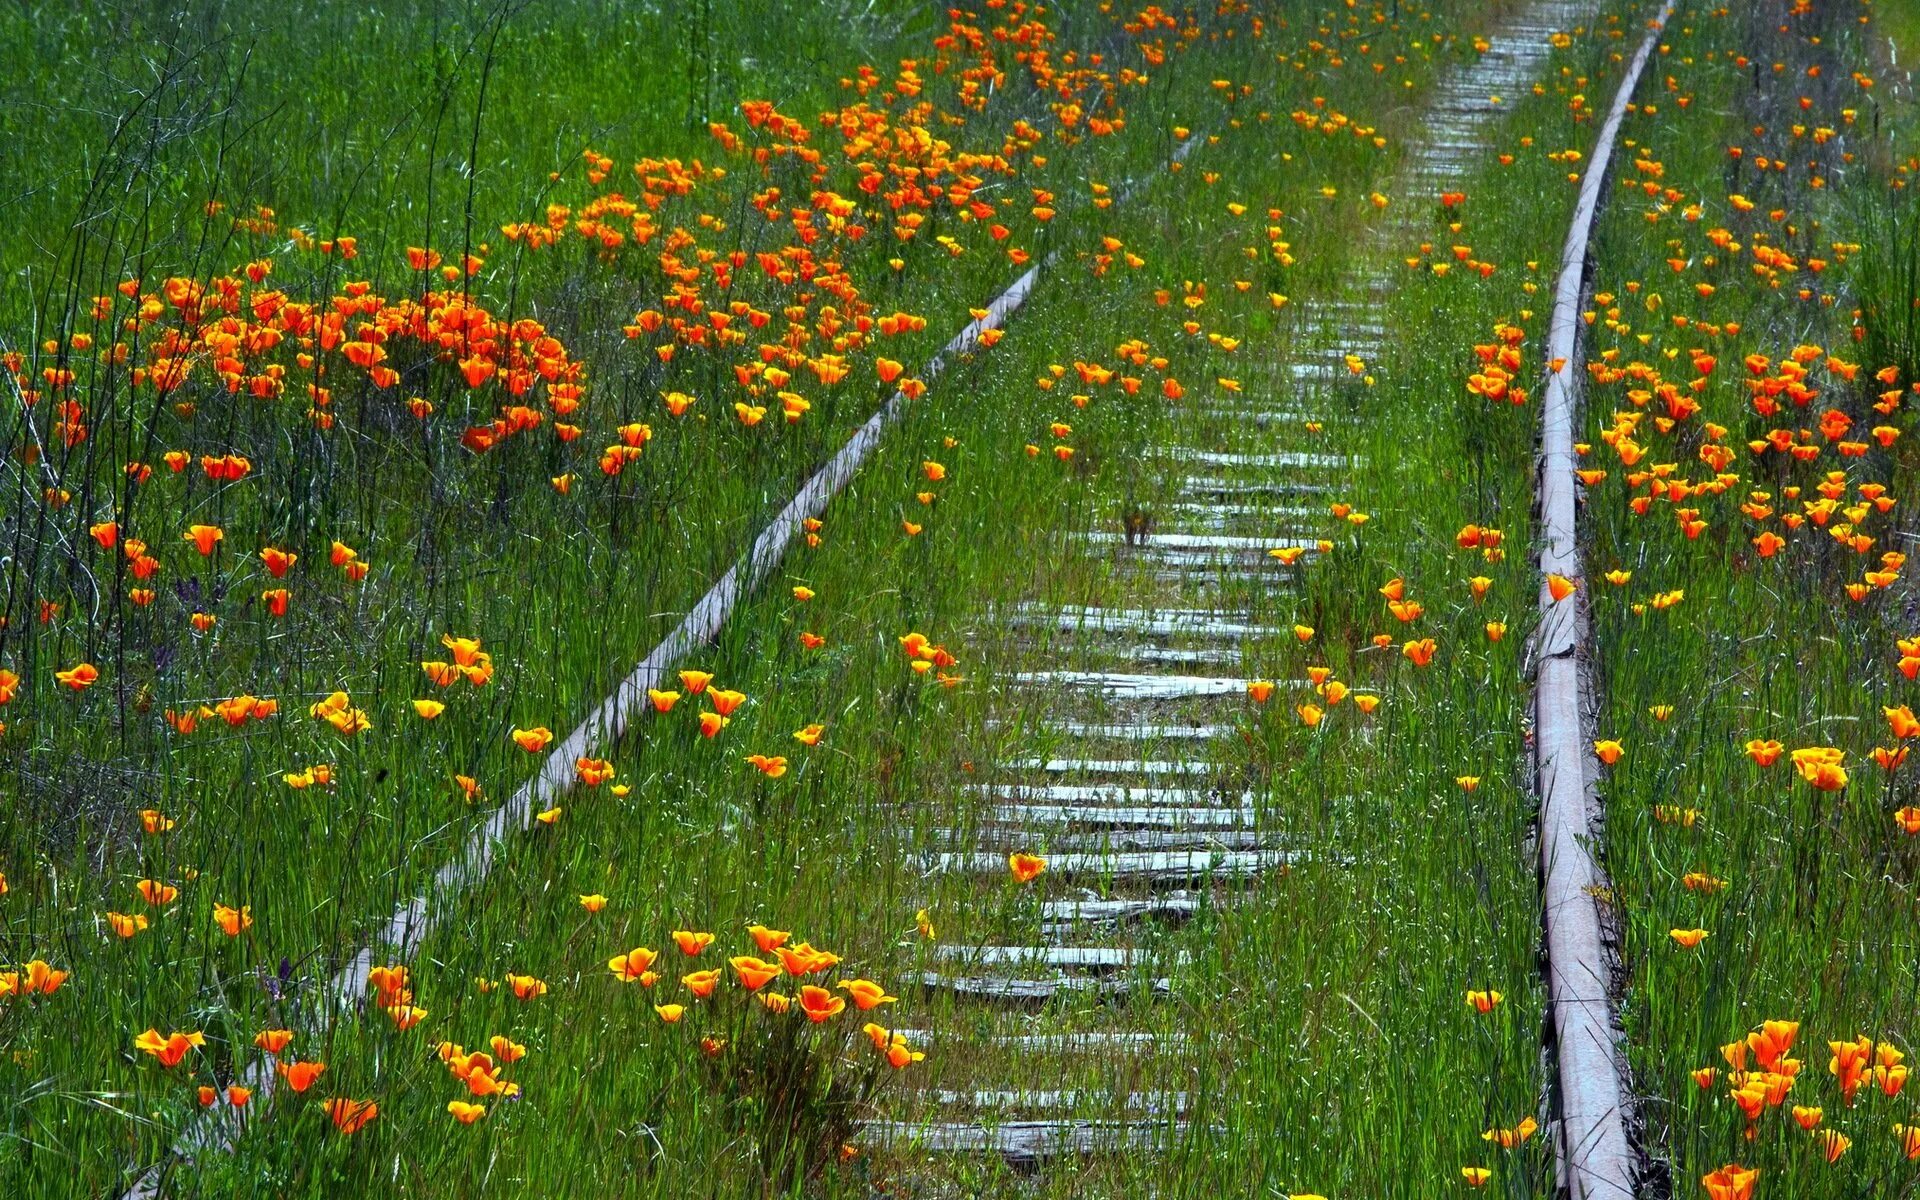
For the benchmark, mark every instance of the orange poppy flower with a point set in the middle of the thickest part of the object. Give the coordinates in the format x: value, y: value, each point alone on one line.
x: 772, y: 766
x: 1731, y: 1182
x: 690, y: 942
x: 866, y: 993
x: 1821, y: 767
x: 803, y: 959
x: 168, y: 1050
x: 351, y: 1116
x: 526, y: 987
x: 1902, y: 721
x: 233, y: 921
x: 203, y: 537
x: 532, y: 740
x: 79, y: 677
x: 819, y: 1004
x: 768, y: 940
x: 300, y: 1075
x: 754, y: 974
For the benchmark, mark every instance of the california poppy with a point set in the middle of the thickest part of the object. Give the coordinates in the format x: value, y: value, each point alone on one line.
x: 233, y: 921
x: 768, y: 939
x: 301, y: 1075
x: 754, y: 974
x: 632, y: 964
x: 204, y: 537
x: 79, y: 677
x: 351, y: 1116
x: 170, y: 1049
x: 1731, y: 1182
x: 526, y: 987
x: 819, y: 1004
x: 690, y: 942
x: 156, y: 893
x: 866, y: 994
x: 532, y: 740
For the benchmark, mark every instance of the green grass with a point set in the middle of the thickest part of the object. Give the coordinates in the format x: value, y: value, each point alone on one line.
x: 1759, y: 647
x: 1333, y: 1051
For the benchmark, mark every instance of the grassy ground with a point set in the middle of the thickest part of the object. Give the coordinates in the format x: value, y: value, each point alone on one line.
x: 1793, y: 882
x: 1333, y: 1051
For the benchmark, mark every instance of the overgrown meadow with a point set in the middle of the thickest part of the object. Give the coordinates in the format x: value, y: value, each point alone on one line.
x: 385, y: 383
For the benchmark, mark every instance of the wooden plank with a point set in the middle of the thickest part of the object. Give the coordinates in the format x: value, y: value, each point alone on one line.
x: 1215, y: 543
x: 1125, y: 685
x: 1215, y: 485
x: 1060, y: 918
x: 1071, y: 958
x: 1112, y: 766
x: 1084, y: 1042
x: 1178, y: 622
x: 1146, y: 731
x: 1050, y: 1100
x: 1007, y: 990
x: 1117, y: 838
x: 1018, y: 1141
x: 1294, y: 459
x: 1029, y: 816
x: 1137, y: 866
x: 1109, y: 793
